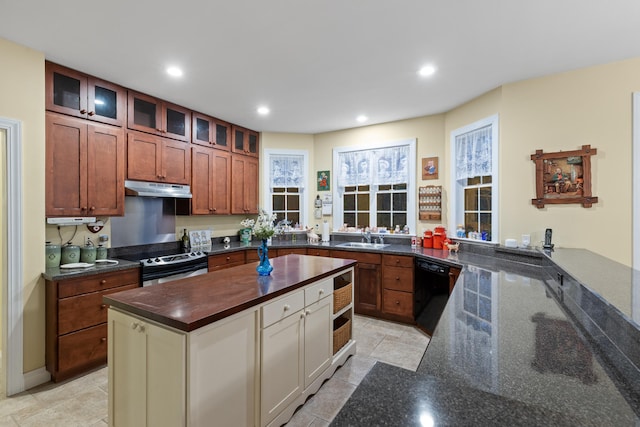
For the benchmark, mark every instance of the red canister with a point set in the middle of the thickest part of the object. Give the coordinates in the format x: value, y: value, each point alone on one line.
x: 439, y: 235
x: 427, y: 240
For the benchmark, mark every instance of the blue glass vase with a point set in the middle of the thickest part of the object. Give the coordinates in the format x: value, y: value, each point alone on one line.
x: 264, y: 268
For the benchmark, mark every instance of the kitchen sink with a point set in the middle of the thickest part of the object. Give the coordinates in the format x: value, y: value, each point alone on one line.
x: 363, y: 245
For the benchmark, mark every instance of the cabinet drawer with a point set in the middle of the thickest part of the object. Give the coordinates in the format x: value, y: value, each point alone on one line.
x: 82, y: 348
x: 284, y: 307
x: 99, y: 282
x: 82, y: 311
x: 397, y: 302
x: 365, y: 257
x: 218, y: 262
x: 316, y: 292
x: 319, y: 252
x: 290, y: 251
x: 397, y: 261
x: 398, y: 278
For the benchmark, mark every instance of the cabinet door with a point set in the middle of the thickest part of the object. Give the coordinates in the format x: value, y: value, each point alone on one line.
x: 145, y: 113
x: 221, y: 180
x: 282, y: 366
x: 176, y: 122
x: 176, y: 162
x: 318, y: 335
x: 105, y: 170
x: 147, y: 369
x: 66, y: 166
x: 222, y: 372
x: 202, y: 180
x: 368, y: 290
x: 66, y: 90
x: 244, y: 190
x: 144, y: 157
x: 105, y: 102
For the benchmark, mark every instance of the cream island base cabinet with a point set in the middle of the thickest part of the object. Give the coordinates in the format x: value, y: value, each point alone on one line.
x: 253, y: 368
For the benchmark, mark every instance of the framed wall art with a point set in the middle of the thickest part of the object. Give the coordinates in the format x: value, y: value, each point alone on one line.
x: 564, y: 177
x: 324, y: 180
x: 429, y: 168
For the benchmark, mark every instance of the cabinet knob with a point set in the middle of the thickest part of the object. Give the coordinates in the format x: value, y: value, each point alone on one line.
x: 141, y: 328
x: 159, y: 130
x: 307, y: 312
x: 134, y: 325
x: 397, y: 302
x: 83, y: 111
x: 228, y: 258
x: 321, y: 291
x: 92, y: 208
x: 397, y: 261
x: 397, y: 278
x: 286, y: 307
x: 103, y: 282
x: 103, y: 306
x: 83, y: 208
x: 103, y: 339
x: 92, y: 113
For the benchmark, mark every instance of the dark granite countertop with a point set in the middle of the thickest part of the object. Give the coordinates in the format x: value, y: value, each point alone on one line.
x: 516, y: 346
x: 58, y: 273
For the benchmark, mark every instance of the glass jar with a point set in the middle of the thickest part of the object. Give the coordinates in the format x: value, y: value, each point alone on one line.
x: 53, y: 254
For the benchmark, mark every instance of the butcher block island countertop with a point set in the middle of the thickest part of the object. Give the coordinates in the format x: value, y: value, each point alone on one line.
x: 191, y: 303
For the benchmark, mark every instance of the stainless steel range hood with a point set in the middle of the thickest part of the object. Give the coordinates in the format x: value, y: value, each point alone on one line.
x: 157, y: 189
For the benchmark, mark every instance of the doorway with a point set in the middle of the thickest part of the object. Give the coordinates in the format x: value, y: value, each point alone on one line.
x: 11, y: 342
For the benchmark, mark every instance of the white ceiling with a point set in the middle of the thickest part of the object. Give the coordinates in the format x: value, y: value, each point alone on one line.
x: 319, y: 64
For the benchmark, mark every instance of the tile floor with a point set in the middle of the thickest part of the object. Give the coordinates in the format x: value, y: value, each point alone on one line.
x: 83, y: 401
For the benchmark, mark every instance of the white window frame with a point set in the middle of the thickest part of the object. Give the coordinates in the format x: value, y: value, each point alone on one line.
x: 268, y: 199
x: 338, y: 204
x: 456, y: 214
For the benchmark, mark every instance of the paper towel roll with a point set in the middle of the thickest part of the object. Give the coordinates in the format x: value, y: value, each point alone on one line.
x: 325, y: 231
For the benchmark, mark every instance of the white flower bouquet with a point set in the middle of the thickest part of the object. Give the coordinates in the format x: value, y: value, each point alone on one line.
x: 262, y: 227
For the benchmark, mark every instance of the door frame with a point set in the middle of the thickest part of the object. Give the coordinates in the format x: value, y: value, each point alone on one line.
x: 12, y: 303
x: 635, y: 209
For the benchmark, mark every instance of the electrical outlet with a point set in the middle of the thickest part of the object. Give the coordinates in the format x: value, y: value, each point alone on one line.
x: 103, y: 238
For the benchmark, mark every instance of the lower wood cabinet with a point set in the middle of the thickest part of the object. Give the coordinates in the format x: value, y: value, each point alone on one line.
x: 222, y: 261
x: 76, y: 321
x: 398, y: 287
x: 368, y: 279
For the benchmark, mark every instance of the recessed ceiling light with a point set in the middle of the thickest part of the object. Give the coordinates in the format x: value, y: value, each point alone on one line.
x: 174, y: 71
x: 427, y: 70
x: 362, y: 118
x: 263, y: 111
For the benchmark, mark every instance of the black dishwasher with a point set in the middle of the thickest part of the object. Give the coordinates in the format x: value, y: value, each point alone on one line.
x: 431, y: 293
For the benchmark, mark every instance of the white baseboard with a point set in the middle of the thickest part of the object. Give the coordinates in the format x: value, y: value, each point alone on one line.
x: 36, y: 377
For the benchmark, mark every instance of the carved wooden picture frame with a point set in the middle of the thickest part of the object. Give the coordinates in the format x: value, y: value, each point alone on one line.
x: 564, y: 177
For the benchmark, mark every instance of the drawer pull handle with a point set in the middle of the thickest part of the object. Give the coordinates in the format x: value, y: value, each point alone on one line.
x: 307, y: 312
x: 397, y: 278
x: 228, y: 258
x: 141, y: 328
x: 286, y: 307
x: 302, y: 315
x: 397, y: 302
x: 103, y: 339
x: 103, y: 306
x: 134, y: 325
x: 321, y: 291
x: 103, y: 281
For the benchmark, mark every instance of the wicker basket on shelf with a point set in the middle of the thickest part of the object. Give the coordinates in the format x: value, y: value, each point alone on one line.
x: 341, y: 297
x: 341, y: 333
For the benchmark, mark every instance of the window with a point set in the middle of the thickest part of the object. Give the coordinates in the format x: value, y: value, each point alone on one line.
x: 375, y: 186
x: 474, y: 173
x: 285, y: 175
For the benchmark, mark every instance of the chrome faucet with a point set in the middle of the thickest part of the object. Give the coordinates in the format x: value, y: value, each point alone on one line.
x: 367, y: 236
x: 381, y: 239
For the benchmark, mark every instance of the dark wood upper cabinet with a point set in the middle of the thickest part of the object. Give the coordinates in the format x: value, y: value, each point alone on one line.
x: 245, y: 141
x: 210, y: 132
x: 244, y: 185
x: 84, y: 168
x: 210, y: 181
x: 152, y: 115
x: 76, y: 94
x: 156, y: 159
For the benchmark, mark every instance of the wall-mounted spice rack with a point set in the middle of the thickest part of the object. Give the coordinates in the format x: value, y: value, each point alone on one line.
x: 430, y: 202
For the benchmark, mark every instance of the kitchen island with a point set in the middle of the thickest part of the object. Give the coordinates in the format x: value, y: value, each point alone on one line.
x: 228, y: 347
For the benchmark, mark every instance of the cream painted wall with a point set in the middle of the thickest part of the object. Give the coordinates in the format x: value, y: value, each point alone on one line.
x: 563, y: 112
x: 428, y: 131
x: 22, y: 89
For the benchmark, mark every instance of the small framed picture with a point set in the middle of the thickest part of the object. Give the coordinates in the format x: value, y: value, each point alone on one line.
x: 323, y: 181
x: 430, y: 168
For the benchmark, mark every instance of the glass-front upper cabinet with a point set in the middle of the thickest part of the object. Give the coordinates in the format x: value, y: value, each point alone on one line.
x: 245, y: 141
x: 152, y: 115
x: 76, y: 94
x: 210, y: 132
